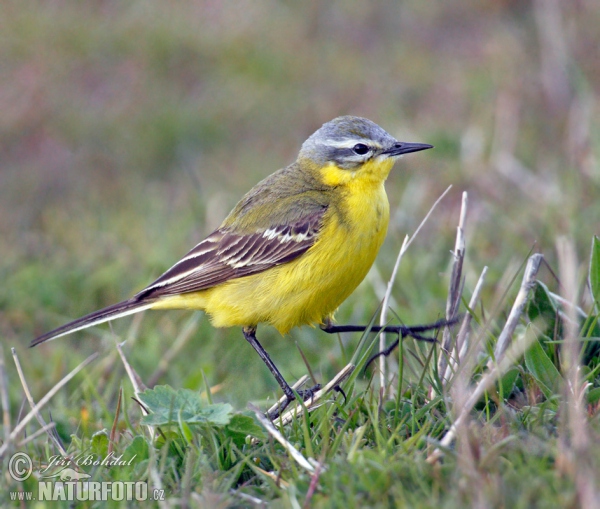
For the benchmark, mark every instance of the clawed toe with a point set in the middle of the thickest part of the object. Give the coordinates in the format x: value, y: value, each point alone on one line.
x: 305, y: 395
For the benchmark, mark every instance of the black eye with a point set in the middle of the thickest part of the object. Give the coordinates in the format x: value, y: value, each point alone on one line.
x: 360, y: 148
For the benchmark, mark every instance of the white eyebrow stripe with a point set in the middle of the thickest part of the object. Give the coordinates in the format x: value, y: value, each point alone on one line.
x: 348, y: 143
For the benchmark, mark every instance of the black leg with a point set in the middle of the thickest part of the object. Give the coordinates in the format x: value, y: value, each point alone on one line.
x: 401, y: 330
x: 385, y: 353
x: 250, y: 335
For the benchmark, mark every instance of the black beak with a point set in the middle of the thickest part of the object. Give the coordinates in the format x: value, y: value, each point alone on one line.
x: 400, y: 148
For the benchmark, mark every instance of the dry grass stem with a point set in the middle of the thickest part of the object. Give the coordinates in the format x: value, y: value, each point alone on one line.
x: 531, y: 270
x: 317, y: 399
x: 136, y: 381
x: 256, y: 502
x: 383, y: 381
x: 4, y: 399
x: 380, y: 286
x: 456, y: 285
x: 29, y: 397
x: 274, y: 432
x: 579, y: 445
x: 46, y: 429
x: 299, y: 383
x: 138, y: 385
x: 462, y: 338
x: 40, y: 404
x: 106, y: 365
x: 512, y: 354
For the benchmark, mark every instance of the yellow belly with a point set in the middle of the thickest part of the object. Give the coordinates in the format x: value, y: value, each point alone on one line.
x: 310, y: 288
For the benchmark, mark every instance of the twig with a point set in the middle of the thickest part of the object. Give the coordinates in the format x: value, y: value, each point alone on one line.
x: 515, y: 351
x: 383, y: 319
x: 41, y: 431
x: 455, y: 289
x: 301, y: 381
x: 40, y: 404
x: 580, y: 444
x: 462, y: 341
x: 138, y: 385
x: 312, y: 487
x: 412, y: 237
x: 533, y: 265
x: 257, y: 502
x: 38, y: 415
x: 380, y: 286
x: 275, y: 477
x: 136, y: 381
x: 294, y: 453
x: 384, y: 308
x: 107, y: 363
x: 315, y: 401
x: 4, y: 396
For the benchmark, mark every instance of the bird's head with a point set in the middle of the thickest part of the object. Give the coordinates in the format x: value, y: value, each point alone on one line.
x: 355, y: 143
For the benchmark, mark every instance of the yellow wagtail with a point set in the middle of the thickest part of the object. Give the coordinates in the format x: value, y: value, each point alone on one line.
x: 294, y: 247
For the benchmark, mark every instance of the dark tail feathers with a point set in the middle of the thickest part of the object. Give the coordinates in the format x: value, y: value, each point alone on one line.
x: 124, y: 308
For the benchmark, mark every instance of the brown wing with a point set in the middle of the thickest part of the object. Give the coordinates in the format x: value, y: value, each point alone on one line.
x: 225, y: 255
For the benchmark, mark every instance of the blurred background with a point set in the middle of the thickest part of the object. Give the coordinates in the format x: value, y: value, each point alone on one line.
x: 129, y: 129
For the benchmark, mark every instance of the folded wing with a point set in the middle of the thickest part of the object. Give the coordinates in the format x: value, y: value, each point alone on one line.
x: 226, y: 255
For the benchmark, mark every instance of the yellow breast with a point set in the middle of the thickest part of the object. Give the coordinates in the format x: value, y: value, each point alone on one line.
x: 311, y: 287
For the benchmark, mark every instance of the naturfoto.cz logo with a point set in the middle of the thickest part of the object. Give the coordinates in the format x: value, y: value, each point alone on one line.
x: 71, y: 484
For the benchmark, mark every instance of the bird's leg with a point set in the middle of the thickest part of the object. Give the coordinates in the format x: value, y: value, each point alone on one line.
x: 414, y: 331
x: 250, y: 335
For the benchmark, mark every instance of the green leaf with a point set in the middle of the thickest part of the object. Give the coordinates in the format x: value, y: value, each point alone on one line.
x: 169, y: 406
x: 508, y: 381
x: 543, y: 370
x: 594, y: 275
x: 76, y: 442
x: 173, y: 443
x: 137, y: 450
x: 542, y: 305
x: 136, y: 456
x: 240, y: 427
x: 593, y: 396
x: 100, y: 443
x: 186, y: 432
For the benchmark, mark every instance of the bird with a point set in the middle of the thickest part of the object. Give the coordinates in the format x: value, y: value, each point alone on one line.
x: 292, y: 249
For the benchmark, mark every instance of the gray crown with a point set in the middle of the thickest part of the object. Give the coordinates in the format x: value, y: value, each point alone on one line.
x: 336, y: 140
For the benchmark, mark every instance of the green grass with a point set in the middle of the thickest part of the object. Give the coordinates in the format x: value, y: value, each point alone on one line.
x: 130, y: 130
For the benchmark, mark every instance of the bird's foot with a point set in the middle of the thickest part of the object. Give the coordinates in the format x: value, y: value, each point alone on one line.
x: 304, y: 394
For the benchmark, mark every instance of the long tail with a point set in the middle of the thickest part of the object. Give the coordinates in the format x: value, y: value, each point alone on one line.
x: 127, y: 307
